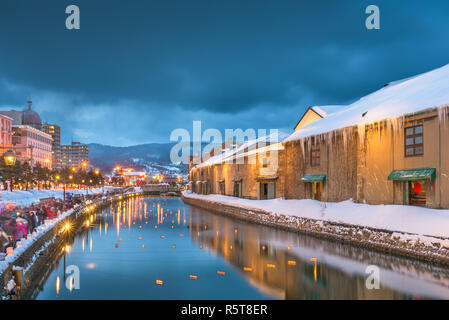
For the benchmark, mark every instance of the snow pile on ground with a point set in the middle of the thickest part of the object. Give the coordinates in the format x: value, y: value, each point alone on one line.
x: 421, y: 221
x: 427, y: 90
x: 26, y: 198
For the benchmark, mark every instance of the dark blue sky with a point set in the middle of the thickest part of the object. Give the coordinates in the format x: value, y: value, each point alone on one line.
x: 138, y: 69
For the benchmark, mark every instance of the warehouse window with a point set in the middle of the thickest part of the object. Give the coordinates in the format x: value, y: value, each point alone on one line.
x: 315, y: 155
x: 414, y: 141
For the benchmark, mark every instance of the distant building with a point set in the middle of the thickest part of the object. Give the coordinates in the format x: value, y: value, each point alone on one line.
x: 132, y: 178
x: 74, y: 155
x: 32, y: 145
x: 55, y: 132
x: 28, y: 117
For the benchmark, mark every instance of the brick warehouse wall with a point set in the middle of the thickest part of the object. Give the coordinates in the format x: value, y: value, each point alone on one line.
x: 248, y: 172
x: 337, y: 161
x: 356, y: 164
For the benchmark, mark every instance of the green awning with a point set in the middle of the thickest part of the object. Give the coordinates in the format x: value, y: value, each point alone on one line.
x: 314, y: 178
x: 413, y: 174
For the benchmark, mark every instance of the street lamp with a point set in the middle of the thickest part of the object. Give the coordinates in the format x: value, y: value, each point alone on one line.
x: 9, y: 158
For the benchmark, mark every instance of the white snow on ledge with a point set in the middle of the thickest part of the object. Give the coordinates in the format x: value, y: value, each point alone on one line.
x: 399, y: 218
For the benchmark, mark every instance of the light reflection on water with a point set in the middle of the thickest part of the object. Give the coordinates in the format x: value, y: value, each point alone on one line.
x: 157, y: 248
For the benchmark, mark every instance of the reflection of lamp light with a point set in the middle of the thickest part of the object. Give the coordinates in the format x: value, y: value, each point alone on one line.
x: 10, y: 158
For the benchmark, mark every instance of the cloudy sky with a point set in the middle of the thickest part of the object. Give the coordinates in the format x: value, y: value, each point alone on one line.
x: 138, y: 69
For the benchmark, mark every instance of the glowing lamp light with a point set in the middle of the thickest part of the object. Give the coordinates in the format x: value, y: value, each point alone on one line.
x: 272, y: 266
x: 221, y: 273
x: 10, y: 251
x: 247, y: 269
x: 193, y: 277
x: 291, y: 262
x: 10, y: 158
x: 159, y: 282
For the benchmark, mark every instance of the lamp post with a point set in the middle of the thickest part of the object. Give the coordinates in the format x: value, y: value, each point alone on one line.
x: 9, y: 158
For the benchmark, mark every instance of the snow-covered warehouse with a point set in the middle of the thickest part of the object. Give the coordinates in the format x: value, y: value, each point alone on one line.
x: 391, y: 147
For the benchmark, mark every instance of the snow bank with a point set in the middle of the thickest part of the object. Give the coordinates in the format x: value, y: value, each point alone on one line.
x: 420, y: 221
x: 26, y: 198
x: 410, y: 95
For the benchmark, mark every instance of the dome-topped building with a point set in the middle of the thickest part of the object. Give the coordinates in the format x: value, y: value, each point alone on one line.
x: 31, y: 118
x: 28, y: 117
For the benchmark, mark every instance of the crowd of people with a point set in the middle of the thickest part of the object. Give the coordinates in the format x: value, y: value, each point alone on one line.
x: 17, y: 223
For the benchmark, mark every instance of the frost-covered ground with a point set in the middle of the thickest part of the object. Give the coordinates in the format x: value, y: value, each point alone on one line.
x: 26, y: 198
x: 408, y: 219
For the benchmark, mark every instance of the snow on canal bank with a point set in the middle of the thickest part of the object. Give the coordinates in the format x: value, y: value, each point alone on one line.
x: 396, y: 218
x: 26, y: 198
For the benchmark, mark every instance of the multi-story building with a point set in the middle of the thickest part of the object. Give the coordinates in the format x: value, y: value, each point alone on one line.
x: 5, y: 133
x: 75, y: 155
x: 55, y: 132
x: 32, y: 145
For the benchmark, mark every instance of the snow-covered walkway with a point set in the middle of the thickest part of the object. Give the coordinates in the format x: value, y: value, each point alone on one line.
x: 408, y: 219
x: 26, y: 198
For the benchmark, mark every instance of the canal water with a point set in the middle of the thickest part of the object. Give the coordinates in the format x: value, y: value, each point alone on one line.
x: 161, y: 248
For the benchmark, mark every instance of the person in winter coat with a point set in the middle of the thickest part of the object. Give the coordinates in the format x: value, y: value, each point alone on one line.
x: 11, y: 229
x: 4, y: 240
x: 41, y: 215
x: 32, y: 221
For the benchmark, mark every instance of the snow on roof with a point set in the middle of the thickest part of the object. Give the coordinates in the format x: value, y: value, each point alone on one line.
x: 228, y: 154
x: 427, y: 90
x: 324, y: 111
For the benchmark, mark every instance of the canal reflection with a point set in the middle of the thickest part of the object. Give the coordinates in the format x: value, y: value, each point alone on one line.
x: 160, y: 248
x: 290, y: 266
